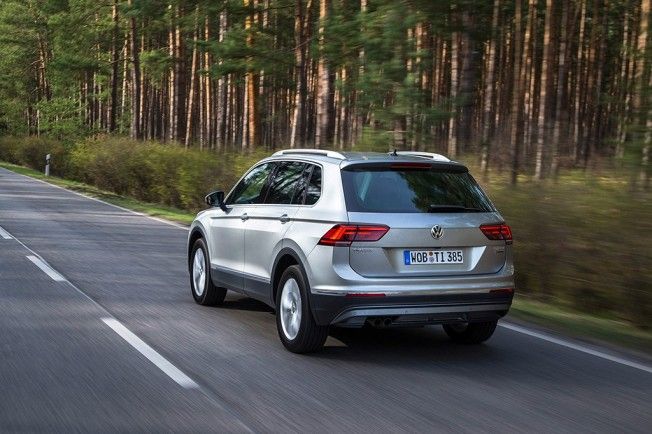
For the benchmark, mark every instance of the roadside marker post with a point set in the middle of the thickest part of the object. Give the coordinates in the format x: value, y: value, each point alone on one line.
x: 47, y: 165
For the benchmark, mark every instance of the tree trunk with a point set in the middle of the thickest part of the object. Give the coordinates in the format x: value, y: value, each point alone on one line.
x: 452, y: 122
x: 467, y: 82
x: 125, y: 65
x: 644, y: 105
x: 178, y: 75
x: 489, y: 85
x: 624, y: 94
x: 516, y: 93
x: 208, y: 113
x: 298, y: 114
x: 172, y: 122
x: 250, y: 89
x: 541, y: 125
x: 135, y: 79
x: 528, y: 77
x: 193, y: 81
x: 359, y: 111
x: 44, y: 57
x: 561, y: 86
x: 221, y: 97
x: 323, y: 83
x: 578, y: 99
x: 115, y: 59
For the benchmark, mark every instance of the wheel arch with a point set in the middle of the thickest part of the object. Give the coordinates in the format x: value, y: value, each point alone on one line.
x: 196, y: 233
x: 285, y: 258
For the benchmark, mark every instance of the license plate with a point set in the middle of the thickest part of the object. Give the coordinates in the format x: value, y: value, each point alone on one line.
x: 419, y: 257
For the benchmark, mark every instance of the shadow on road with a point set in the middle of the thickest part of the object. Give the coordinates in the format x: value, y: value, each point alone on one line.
x: 398, y: 345
x: 237, y: 302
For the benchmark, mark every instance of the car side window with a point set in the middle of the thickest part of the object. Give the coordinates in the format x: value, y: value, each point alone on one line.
x: 309, y: 188
x: 285, y: 182
x: 253, y: 187
x: 313, y: 192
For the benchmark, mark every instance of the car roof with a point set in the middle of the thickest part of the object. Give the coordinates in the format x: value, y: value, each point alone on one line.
x: 343, y: 159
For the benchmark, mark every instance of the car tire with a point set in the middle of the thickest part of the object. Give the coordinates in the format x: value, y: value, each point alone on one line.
x: 203, y: 290
x: 471, y: 333
x: 295, y: 323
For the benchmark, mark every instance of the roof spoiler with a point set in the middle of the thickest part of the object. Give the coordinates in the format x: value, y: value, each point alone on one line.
x: 427, y: 155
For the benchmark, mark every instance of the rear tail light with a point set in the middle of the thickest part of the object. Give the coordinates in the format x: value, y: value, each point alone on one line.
x: 497, y: 232
x: 344, y: 235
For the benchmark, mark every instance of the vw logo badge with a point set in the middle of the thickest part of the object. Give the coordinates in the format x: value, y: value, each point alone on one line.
x: 437, y: 232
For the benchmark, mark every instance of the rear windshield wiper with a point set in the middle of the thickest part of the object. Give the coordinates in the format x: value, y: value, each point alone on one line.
x: 453, y: 208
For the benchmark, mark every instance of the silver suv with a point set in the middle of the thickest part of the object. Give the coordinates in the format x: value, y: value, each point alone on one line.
x: 355, y: 239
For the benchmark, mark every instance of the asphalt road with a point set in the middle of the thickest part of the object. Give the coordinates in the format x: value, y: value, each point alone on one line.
x: 108, y: 338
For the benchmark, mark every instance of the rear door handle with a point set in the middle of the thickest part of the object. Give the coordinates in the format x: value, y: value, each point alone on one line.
x: 284, y: 218
x: 244, y: 217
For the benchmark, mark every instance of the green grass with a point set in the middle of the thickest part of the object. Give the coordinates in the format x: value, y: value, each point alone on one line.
x: 155, y: 210
x: 582, y: 326
x: 554, y: 316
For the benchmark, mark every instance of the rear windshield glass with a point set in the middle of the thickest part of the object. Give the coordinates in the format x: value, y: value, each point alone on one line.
x: 412, y: 190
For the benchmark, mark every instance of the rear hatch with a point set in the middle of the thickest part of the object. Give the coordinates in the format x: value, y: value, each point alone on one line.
x: 434, y: 212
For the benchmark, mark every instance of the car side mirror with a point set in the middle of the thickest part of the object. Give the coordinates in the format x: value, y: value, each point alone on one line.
x: 216, y: 198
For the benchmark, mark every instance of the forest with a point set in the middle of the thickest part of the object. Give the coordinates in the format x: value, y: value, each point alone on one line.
x: 548, y: 101
x: 525, y: 86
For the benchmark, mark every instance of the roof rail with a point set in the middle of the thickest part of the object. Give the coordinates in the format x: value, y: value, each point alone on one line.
x: 325, y: 153
x: 428, y: 155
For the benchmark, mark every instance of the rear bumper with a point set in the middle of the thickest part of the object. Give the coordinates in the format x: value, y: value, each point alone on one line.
x: 330, y: 273
x: 409, y: 310
x: 340, y: 296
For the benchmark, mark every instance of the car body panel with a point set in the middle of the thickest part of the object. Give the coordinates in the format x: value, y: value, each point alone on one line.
x: 226, y: 231
x: 245, y: 252
x: 262, y: 241
x: 460, y: 232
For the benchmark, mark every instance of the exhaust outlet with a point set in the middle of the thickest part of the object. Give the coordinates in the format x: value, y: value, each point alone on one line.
x: 381, y: 322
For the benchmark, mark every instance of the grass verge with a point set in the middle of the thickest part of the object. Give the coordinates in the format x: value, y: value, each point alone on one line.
x: 155, y: 210
x: 568, y: 322
x: 582, y: 326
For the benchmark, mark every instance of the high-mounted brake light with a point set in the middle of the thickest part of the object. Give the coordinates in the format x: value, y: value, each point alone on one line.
x: 410, y: 165
x: 344, y: 235
x: 497, y: 232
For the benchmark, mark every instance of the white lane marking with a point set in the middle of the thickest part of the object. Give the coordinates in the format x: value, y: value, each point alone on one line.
x: 128, y: 336
x: 160, y: 220
x: 577, y: 347
x: 40, y: 263
x: 4, y: 234
x: 161, y: 362
x: 215, y: 397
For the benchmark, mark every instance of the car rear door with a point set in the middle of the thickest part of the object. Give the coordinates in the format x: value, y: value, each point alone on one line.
x: 434, y: 214
x: 267, y: 224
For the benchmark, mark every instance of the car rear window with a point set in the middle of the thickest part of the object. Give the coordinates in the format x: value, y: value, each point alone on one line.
x: 420, y: 189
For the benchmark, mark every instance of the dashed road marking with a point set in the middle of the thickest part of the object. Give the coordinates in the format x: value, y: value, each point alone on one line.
x: 158, y: 360
x: 4, y: 234
x: 45, y: 267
